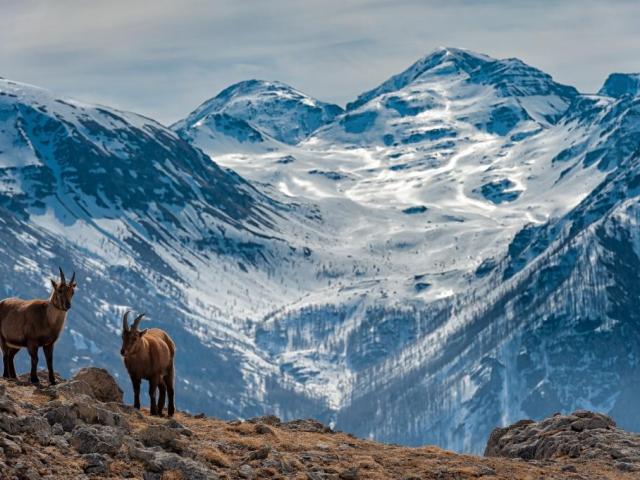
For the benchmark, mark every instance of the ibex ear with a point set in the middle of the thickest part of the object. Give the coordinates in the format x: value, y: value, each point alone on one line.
x: 142, y: 332
x: 54, y: 284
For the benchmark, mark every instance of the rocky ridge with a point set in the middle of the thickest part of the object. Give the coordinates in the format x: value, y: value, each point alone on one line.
x: 81, y: 429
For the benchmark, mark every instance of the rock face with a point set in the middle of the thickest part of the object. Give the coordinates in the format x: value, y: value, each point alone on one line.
x: 581, y: 435
x: 102, y: 384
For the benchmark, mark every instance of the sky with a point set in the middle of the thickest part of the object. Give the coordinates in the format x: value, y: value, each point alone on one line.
x: 163, y: 58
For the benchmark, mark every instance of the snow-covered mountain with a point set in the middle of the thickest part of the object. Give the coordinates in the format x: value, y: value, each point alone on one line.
x: 255, y: 113
x: 454, y: 250
x: 149, y: 223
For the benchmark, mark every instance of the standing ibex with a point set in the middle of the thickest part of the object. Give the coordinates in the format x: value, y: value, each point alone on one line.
x: 149, y: 354
x: 34, y: 324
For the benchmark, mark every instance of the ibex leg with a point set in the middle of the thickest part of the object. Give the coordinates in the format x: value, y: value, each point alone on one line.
x: 153, y: 386
x: 12, y: 368
x: 161, y: 397
x: 5, y: 358
x: 5, y: 363
x: 136, y: 392
x: 32, y: 347
x: 48, y: 354
x: 168, y: 382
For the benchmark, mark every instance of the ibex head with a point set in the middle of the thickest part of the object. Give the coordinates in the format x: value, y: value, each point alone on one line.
x: 63, y: 291
x: 131, y: 335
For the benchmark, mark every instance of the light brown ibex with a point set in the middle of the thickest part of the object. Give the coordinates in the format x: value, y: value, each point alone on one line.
x: 149, y: 354
x: 33, y: 324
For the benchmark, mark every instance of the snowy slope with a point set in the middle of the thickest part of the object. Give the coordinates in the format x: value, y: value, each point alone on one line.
x: 148, y: 223
x: 426, y: 183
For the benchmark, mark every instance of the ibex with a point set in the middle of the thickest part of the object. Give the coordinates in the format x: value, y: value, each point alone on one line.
x: 149, y: 354
x: 34, y: 324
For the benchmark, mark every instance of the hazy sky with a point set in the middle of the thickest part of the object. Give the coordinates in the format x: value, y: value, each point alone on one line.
x: 162, y: 58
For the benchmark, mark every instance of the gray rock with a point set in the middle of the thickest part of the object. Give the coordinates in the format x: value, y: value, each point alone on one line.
x: 159, y: 461
x: 63, y: 415
x: 161, y: 436
x: 95, y: 464
x: 57, y: 429
x: 263, y: 429
x: 174, y: 424
x: 308, y: 425
x: 349, y: 474
x: 9, y: 424
x: 87, y: 439
x: 71, y: 389
x: 626, y: 466
x: 267, y: 420
x: 246, y: 471
x: 6, y: 405
x: 103, y: 386
x: 37, y: 426
x: 84, y: 410
x: 582, y: 434
x: 9, y: 446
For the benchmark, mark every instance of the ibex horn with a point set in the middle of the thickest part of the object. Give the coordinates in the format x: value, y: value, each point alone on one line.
x: 136, y: 322
x: 125, y: 324
x: 62, y: 276
x: 73, y: 278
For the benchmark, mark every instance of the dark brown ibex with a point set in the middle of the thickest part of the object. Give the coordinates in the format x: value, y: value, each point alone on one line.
x: 149, y: 354
x: 34, y: 324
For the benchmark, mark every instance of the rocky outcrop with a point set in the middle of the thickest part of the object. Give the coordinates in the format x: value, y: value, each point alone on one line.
x: 582, y: 435
x: 76, y: 430
x: 103, y: 386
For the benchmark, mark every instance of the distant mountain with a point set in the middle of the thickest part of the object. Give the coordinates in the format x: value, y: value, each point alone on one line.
x: 449, y: 94
x: 446, y: 187
x: 620, y: 84
x: 256, y: 111
x: 453, y: 251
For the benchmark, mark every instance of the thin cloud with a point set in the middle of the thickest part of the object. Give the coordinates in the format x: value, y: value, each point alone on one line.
x: 165, y: 58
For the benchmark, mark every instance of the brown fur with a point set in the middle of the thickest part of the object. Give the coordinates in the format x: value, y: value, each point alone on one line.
x: 34, y: 324
x: 149, y: 354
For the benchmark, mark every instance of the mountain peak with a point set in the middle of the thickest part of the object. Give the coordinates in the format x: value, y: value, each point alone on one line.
x: 620, y: 84
x: 273, y: 107
x: 510, y: 76
x: 442, y: 60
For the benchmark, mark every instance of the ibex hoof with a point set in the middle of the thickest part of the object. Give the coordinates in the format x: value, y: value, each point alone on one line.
x: 35, y: 381
x: 52, y: 382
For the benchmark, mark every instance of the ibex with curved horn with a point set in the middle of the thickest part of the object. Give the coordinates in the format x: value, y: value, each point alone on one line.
x: 33, y: 324
x: 149, y: 354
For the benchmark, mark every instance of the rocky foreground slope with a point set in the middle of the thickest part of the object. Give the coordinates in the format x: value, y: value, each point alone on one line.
x: 81, y: 429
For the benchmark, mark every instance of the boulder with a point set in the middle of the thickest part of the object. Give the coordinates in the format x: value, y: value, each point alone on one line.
x: 70, y: 389
x: 582, y: 434
x: 161, y: 436
x: 6, y: 404
x: 102, y: 384
x: 307, y: 425
x: 160, y: 461
x: 9, y: 446
x: 95, y: 464
x: 63, y: 415
x: 86, y: 439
